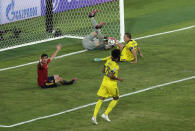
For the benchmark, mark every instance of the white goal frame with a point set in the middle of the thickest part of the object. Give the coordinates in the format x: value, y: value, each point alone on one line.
x: 122, y: 31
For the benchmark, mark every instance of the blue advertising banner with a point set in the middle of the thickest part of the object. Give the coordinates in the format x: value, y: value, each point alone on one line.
x: 64, y: 5
x: 15, y: 10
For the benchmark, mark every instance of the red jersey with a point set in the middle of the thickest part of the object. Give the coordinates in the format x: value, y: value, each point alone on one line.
x: 42, y: 73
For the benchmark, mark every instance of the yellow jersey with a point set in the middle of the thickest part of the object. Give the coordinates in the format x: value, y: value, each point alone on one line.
x: 110, y: 66
x: 126, y: 54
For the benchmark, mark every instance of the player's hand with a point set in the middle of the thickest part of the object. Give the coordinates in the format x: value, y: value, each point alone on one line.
x: 141, y: 55
x: 59, y: 46
x: 133, y: 62
x: 40, y: 60
x: 120, y: 79
x: 117, y: 42
x: 120, y: 45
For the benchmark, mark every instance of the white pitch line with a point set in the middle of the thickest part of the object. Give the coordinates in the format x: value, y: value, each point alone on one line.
x: 77, y: 52
x: 13, y: 67
x: 41, y: 41
x: 168, y: 32
x: 91, y: 104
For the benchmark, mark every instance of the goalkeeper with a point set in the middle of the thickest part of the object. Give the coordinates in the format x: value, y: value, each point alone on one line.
x: 96, y: 40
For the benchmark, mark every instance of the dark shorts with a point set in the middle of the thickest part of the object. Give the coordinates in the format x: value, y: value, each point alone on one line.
x: 50, y: 83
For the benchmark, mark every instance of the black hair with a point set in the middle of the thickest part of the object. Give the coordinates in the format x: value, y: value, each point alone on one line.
x: 116, y: 54
x: 43, y: 55
x: 128, y: 35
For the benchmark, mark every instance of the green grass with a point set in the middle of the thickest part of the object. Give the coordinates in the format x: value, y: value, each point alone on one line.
x: 157, y: 16
x: 167, y: 58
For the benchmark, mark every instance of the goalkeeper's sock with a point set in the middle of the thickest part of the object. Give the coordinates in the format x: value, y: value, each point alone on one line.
x: 99, y: 26
x: 92, y: 14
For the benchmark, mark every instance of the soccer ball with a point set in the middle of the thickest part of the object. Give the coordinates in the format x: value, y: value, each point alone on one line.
x: 111, y: 42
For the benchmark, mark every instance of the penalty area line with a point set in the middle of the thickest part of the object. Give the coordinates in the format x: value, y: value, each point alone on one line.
x: 78, y: 52
x: 91, y: 104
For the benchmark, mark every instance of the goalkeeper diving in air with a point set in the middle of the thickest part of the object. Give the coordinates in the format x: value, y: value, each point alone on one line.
x: 95, y: 40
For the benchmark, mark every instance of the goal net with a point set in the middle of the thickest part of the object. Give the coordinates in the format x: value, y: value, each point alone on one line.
x: 27, y: 22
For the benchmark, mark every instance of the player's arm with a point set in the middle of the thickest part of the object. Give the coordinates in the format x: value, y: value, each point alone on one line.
x: 58, y: 47
x: 103, y: 70
x: 111, y: 75
x: 139, y: 52
x: 120, y: 46
x: 40, y: 63
x: 107, y: 47
x: 135, y: 56
x: 115, y: 78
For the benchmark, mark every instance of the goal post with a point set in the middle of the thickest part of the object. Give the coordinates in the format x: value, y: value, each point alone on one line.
x: 122, y: 20
x: 22, y: 22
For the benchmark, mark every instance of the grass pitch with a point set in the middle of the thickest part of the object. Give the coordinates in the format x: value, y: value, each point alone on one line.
x: 167, y: 58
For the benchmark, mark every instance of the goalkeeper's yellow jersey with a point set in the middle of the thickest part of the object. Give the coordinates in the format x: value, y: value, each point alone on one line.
x: 110, y: 66
x: 126, y: 54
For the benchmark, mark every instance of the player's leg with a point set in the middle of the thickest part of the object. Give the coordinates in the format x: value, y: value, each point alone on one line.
x: 115, y: 93
x: 111, y: 105
x: 125, y: 57
x: 64, y: 82
x: 102, y: 93
x: 98, y: 105
x: 96, y: 26
x: 60, y: 80
x: 96, y: 110
x: 57, y: 79
x: 92, y: 15
x: 50, y: 83
x: 91, y: 36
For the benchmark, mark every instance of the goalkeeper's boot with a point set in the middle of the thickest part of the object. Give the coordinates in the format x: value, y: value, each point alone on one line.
x: 92, y: 14
x: 99, y: 26
x: 104, y: 116
x: 94, y: 120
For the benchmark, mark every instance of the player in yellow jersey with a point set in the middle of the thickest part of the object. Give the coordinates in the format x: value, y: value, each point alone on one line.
x: 128, y: 51
x: 108, y: 87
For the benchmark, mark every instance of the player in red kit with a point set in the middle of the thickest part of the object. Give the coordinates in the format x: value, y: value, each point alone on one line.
x: 42, y: 69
